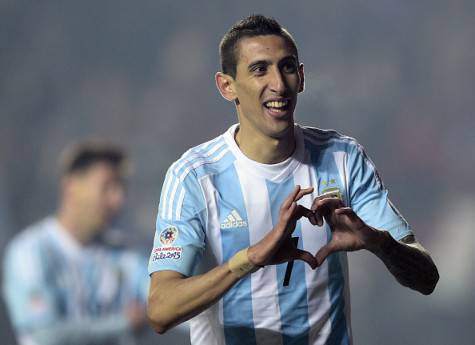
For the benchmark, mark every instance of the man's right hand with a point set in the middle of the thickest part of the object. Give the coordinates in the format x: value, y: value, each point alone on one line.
x: 277, y: 246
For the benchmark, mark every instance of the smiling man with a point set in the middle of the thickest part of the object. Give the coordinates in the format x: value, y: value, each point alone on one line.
x: 265, y: 193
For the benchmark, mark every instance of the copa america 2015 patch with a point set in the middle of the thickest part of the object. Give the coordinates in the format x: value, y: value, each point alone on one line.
x: 167, y: 253
x: 168, y: 235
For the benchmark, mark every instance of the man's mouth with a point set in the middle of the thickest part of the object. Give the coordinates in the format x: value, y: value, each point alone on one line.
x: 277, y: 105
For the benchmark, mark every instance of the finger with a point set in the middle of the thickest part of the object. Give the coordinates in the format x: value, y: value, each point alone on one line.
x: 318, y: 199
x: 322, y: 210
x: 307, y: 213
x: 303, y: 255
x: 302, y: 211
x: 312, y: 218
x: 290, y: 212
x: 325, y: 206
x: 323, y: 253
x: 291, y: 198
x: 332, y: 202
x: 318, y: 219
x: 348, y: 211
x: 303, y: 192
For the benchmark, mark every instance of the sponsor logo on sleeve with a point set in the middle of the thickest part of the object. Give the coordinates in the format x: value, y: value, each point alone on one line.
x: 168, y: 235
x: 167, y: 253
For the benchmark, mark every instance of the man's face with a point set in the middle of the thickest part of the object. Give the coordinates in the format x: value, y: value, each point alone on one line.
x: 98, y: 194
x: 268, y: 79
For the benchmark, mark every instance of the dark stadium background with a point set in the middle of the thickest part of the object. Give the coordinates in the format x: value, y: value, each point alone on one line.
x: 397, y: 75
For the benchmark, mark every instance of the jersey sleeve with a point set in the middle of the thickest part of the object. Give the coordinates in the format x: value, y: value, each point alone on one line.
x: 369, y: 197
x: 180, y: 231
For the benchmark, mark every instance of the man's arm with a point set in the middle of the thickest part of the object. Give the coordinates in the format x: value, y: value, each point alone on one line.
x: 175, y: 298
x: 407, y: 260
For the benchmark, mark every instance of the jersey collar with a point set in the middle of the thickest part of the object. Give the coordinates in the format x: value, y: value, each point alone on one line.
x: 274, y: 172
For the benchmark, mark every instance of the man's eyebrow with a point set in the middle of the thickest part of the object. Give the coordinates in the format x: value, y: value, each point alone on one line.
x: 257, y: 63
x: 289, y: 57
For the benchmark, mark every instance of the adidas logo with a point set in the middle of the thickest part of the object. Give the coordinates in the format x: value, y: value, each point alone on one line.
x: 233, y: 220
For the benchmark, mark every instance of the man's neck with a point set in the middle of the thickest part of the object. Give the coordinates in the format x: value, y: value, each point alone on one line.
x: 265, y: 149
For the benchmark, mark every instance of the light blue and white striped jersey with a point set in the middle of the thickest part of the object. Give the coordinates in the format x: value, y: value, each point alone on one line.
x: 60, y: 292
x: 215, y: 201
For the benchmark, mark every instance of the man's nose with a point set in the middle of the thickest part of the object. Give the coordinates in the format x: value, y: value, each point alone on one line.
x: 277, y: 82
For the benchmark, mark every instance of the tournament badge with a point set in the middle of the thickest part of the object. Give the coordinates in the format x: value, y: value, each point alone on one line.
x: 169, y: 235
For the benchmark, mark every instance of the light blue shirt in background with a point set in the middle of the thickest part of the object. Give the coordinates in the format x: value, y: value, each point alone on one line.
x: 60, y: 292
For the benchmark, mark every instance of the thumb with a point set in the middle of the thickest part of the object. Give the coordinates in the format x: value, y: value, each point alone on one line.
x: 324, y: 252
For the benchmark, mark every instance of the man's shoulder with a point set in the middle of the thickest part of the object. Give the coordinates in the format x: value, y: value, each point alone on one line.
x: 323, y: 134
x: 29, y: 240
x: 34, y: 233
x: 330, y: 138
x: 206, y: 158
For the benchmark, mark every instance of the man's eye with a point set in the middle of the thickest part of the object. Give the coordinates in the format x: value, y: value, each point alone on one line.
x: 289, y: 68
x: 259, y: 69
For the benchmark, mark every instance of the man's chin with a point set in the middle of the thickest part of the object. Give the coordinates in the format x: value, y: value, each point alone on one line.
x: 281, y: 130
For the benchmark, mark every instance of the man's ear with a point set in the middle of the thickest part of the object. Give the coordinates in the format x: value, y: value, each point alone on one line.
x: 225, y: 85
x: 302, y: 78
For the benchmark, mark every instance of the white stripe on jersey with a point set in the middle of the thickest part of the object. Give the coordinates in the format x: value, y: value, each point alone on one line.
x: 180, y: 204
x: 196, y: 156
x: 212, y: 227
x: 164, y: 193
x: 203, y: 162
x: 263, y: 282
x: 214, y: 321
x: 340, y: 162
x: 313, y: 238
x: 182, y: 177
x: 172, y: 198
x: 175, y: 167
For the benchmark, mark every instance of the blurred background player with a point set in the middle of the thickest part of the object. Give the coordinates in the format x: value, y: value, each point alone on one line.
x: 63, y: 282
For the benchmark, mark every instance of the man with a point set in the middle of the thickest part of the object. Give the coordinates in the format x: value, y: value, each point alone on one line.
x: 237, y: 203
x: 62, y: 283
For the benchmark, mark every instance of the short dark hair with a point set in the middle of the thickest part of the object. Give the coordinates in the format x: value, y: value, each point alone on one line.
x: 81, y: 156
x: 254, y: 25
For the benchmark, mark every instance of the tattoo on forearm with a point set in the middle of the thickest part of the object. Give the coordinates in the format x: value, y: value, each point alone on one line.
x: 410, y: 263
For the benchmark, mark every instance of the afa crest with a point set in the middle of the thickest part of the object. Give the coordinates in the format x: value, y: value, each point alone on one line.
x: 169, y: 235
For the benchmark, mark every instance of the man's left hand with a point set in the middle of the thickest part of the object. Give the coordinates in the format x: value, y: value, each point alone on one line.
x: 349, y: 232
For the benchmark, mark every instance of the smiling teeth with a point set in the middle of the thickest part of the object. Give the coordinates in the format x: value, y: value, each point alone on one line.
x: 276, y: 104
